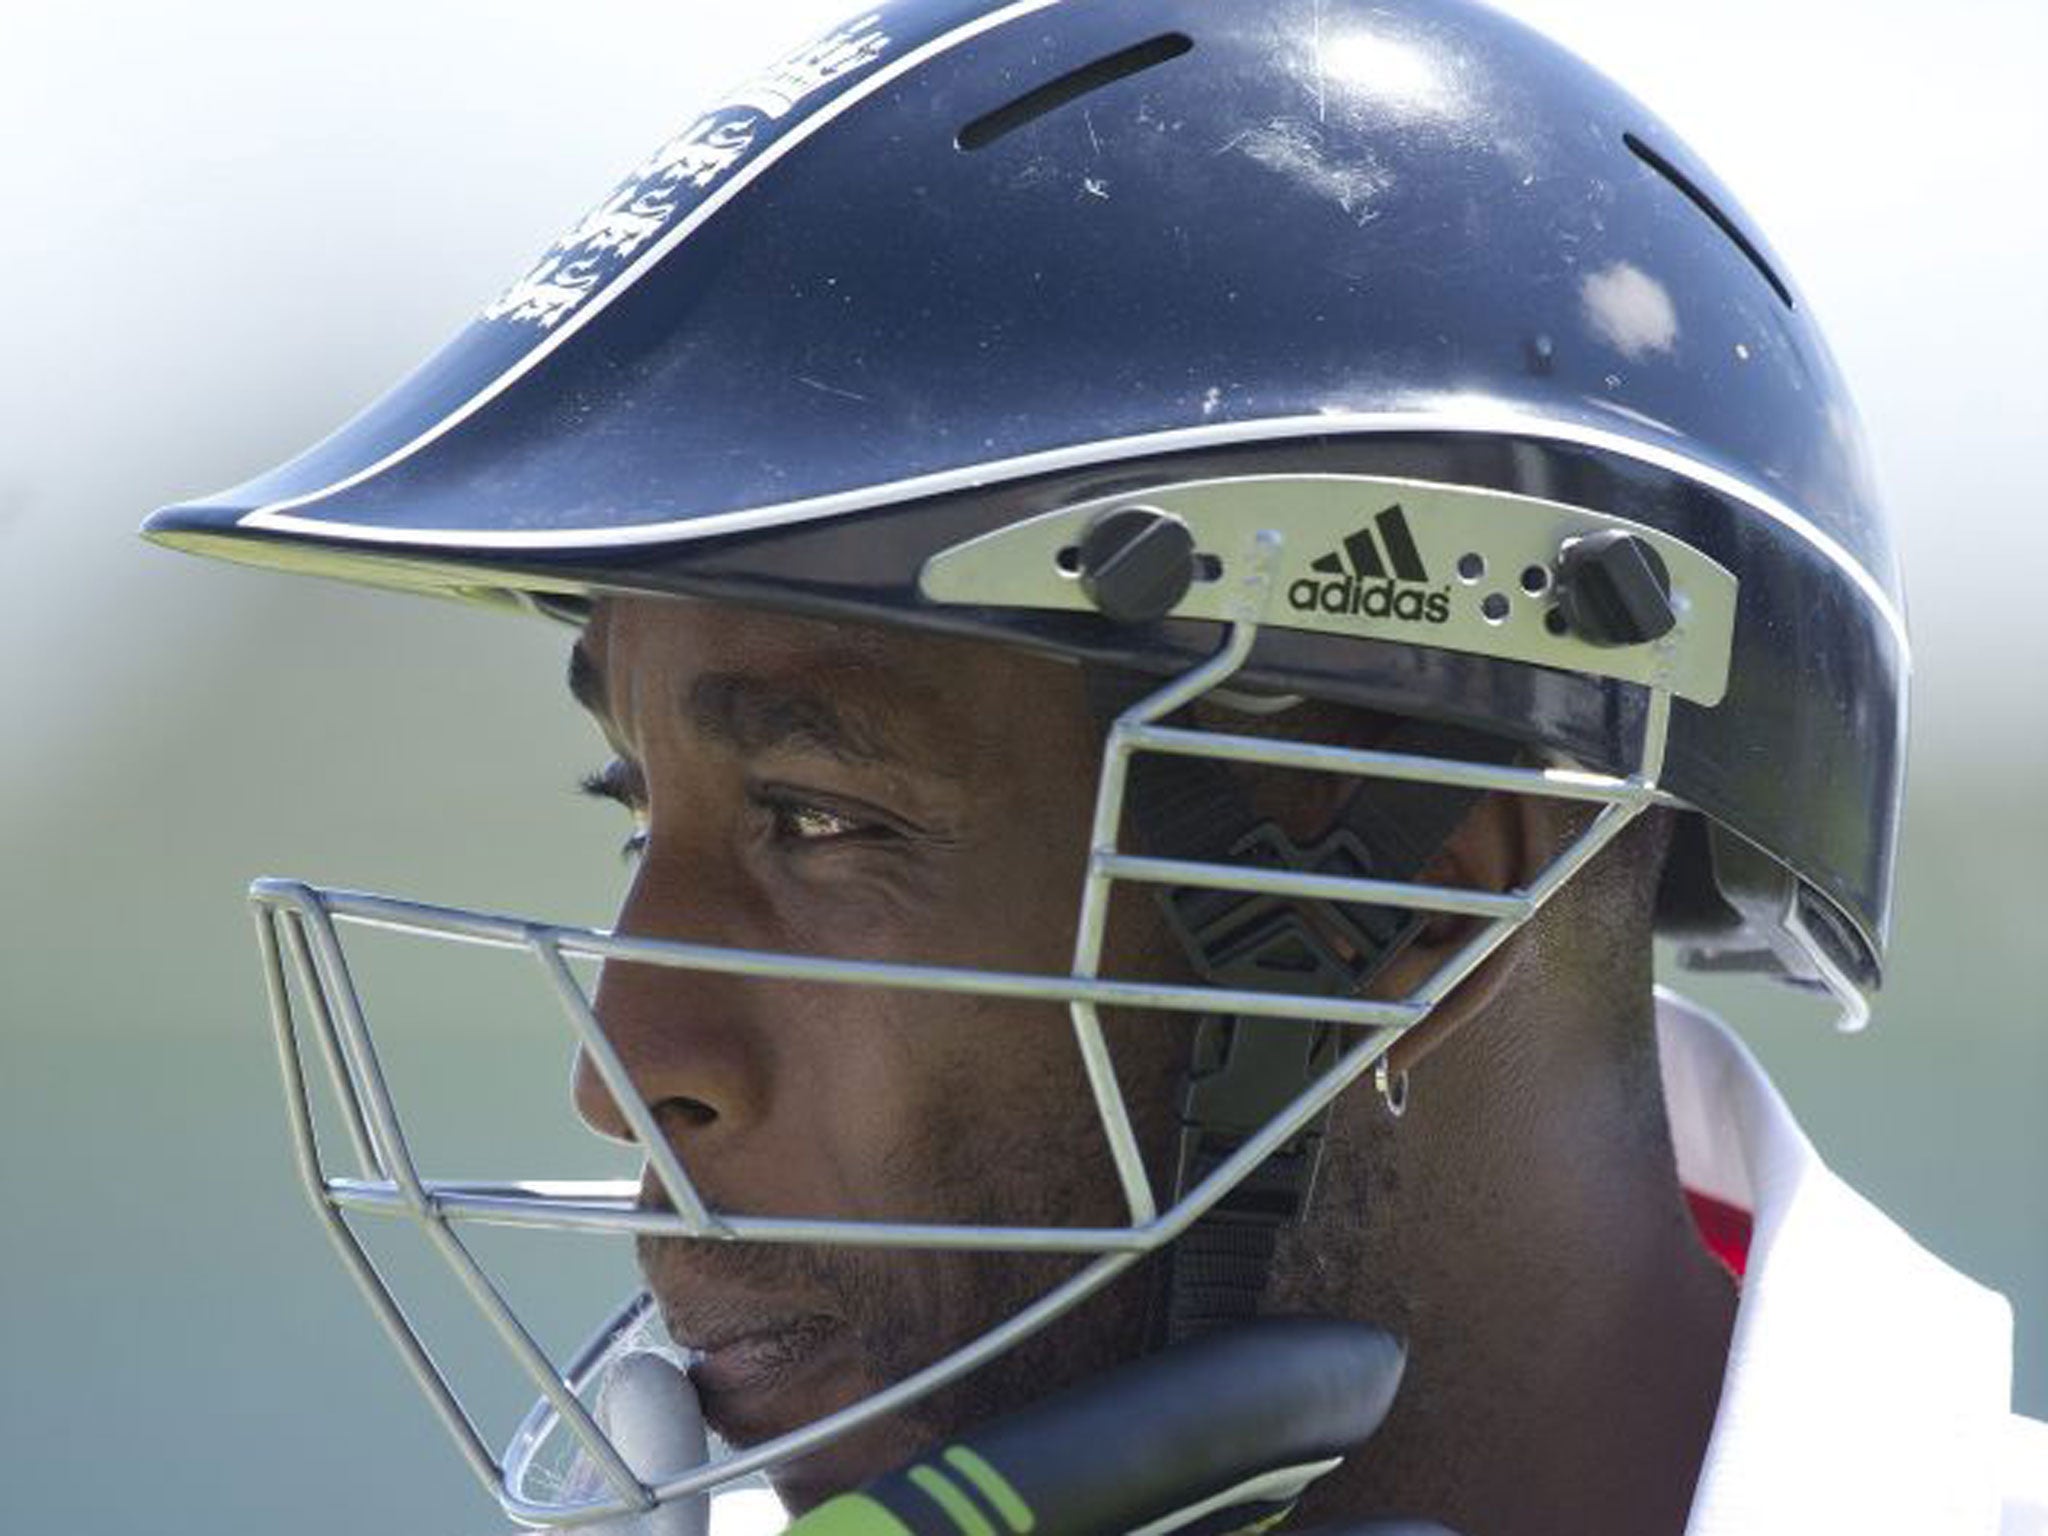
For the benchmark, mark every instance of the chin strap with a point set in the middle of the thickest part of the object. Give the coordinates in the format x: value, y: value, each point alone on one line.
x: 1244, y: 1071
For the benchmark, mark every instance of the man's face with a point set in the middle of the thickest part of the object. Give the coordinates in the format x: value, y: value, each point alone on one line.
x: 858, y: 793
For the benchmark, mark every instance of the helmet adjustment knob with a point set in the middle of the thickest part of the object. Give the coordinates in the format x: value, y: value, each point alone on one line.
x: 1136, y: 563
x: 1614, y: 589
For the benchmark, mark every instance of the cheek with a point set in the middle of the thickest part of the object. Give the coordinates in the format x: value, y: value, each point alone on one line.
x: 844, y: 1088
x: 949, y: 1110
x: 1009, y: 1133
x: 997, y: 1120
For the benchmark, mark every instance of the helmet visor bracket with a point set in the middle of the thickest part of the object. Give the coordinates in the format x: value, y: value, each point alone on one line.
x: 1453, y: 567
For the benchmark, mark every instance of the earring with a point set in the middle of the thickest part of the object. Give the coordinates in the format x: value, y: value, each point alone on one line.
x: 1392, y: 1086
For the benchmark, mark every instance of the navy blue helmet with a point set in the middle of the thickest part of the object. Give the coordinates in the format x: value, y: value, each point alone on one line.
x: 956, y: 266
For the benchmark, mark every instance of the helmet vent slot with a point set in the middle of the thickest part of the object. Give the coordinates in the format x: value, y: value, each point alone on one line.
x: 1697, y: 195
x: 1056, y: 93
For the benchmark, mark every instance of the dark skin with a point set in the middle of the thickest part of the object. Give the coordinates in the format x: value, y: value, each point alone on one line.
x: 818, y: 787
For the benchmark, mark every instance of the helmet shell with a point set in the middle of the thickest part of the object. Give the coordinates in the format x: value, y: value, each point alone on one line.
x: 957, y: 265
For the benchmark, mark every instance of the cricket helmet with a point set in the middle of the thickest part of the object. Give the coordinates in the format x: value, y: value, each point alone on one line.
x: 955, y: 266
x: 1390, y: 353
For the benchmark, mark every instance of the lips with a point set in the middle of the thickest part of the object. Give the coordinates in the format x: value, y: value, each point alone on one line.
x: 763, y: 1358
x: 767, y: 1356
x: 760, y: 1369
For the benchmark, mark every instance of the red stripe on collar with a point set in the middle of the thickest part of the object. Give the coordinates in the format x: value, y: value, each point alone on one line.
x: 1724, y: 1228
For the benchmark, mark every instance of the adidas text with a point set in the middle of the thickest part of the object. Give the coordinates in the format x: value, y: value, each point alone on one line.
x: 1373, y: 600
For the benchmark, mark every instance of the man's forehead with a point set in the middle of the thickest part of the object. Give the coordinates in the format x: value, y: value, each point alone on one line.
x: 684, y: 636
x: 751, y: 675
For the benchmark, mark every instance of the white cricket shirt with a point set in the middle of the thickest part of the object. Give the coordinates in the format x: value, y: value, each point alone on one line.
x: 1869, y: 1385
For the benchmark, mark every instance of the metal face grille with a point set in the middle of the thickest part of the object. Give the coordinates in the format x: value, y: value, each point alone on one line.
x: 321, y: 1025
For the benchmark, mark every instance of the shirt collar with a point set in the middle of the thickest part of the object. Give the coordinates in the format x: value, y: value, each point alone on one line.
x: 1867, y: 1382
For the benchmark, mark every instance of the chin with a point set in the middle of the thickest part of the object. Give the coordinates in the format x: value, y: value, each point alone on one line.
x: 837, y: 1378
x: 851, y: 1462
x: 801, y: 1489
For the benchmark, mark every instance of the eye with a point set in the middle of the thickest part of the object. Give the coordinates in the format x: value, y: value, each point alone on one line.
x: 796, y: 818
x: 812, y: 822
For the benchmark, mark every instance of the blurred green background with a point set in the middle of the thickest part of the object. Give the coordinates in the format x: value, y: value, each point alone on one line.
x: 228, y: 225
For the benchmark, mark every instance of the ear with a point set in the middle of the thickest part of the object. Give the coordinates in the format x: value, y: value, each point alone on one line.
x: 1502, y: 845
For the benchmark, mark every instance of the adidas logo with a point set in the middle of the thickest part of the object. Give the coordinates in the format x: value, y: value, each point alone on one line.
x: 1356, y: 580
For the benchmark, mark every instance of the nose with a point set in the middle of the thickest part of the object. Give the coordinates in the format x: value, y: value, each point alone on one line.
x: 689, y: 1041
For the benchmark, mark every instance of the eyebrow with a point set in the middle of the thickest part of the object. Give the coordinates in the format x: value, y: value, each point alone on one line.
x: 754, y: 716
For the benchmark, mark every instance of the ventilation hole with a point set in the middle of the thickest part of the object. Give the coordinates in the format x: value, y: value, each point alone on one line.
x: 1494, y: 607
x: 1208, y: 567
x: 1712, y: 210
x: 1069, y: 560
x: 1054, y: 94
x: 1471, y: 567
x: 1556, y: 622
x: 1535, y: 580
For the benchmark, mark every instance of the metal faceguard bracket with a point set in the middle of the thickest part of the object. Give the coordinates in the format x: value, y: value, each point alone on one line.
x: 320, y: 1021
x: 1453, y: 567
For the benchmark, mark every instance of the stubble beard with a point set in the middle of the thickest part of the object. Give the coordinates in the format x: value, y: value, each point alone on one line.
x: 904, y: 1309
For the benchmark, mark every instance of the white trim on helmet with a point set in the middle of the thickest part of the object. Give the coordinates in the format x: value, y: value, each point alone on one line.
x: 1468, y: 415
